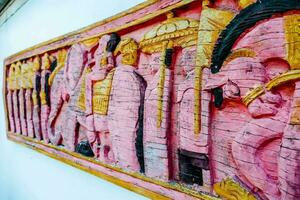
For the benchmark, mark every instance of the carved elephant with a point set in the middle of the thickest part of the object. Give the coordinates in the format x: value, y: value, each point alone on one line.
x: 260, y: 148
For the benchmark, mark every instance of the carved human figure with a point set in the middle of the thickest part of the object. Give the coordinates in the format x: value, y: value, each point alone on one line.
x: 22, y: 103
x: 9, y: 97
x: 123, y: 110
x: 28, y: 97
x: 155, y: 135
x: 17, y: 75
x: 98, y: 86
x: 247, y: 75
x: 188, y: 140
x: 45, y: 96
x: 36, y: 98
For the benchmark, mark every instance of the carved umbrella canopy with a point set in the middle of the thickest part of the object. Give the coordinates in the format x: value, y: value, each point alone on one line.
x: 173, y: 32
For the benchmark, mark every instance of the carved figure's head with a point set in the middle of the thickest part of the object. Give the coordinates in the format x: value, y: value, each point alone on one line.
x: 128, y: 49
x: 45, y: 62
x: 36, y: 63
x: 61, y: 56
x: 188, y: 59
x: 113, y: 42
x: 155, y: 62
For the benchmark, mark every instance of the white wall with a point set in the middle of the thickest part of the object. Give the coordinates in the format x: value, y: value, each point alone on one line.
x: 24, y: 173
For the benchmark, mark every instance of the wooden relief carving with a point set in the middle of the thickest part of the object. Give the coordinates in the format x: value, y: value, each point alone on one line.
x: 172, y: 99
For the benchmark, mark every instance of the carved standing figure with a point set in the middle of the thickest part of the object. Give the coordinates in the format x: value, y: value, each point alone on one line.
x: 36, y: 98
x: 155, y: 141
x: 9, y: 97
x: 22, y: 103
x: 17, y: 76
x: 28, y: 98
x: 45, y: 96
x: 188, y: 140
x: 124, y: 106
x: 97, y: 88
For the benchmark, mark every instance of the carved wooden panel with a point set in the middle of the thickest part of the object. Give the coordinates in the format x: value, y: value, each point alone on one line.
x: 171, y: 99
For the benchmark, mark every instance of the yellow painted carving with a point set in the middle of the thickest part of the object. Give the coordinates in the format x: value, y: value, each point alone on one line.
x: 36, y: 64
x: 292, y: 75
x: 81, y: 98
x: 43, y: 97
x: 36, y: 67
x: 26, y: 80
x: 11, y: 79
x: 30, y: 73
x: 61, y: 57
x: 292, y: 35
x: 129, y: 51
x: 34, y: 98
x: 244, y: 3
x: 160, y: 87
x: 212, y: 22
x: 45, y: 61
x: 182, y: 31
x: 243, y: 52
x: 90, y: 42
x: 231, y: 190
x: 101, y: 94
x: 253, y: 94
x: 45, y: 66
x: 18, y: 75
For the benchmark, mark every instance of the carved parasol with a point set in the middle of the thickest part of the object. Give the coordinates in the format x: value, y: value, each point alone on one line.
x: 173, y: 32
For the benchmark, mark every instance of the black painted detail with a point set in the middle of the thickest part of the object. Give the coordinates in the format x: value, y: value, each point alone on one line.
x: 113, y: 42
x: 139, y: 134
x: 247, y: 18
x: 38, y: 88
x: 191, y: 165
x: 218, y: 97
x: 53, y: 65
x: 47, y: 88
x: 84, y: 148
x: 168, y: 57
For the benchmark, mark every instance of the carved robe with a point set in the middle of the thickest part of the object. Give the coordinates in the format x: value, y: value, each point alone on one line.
x: 155, y: 138
x: 123, y: 115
